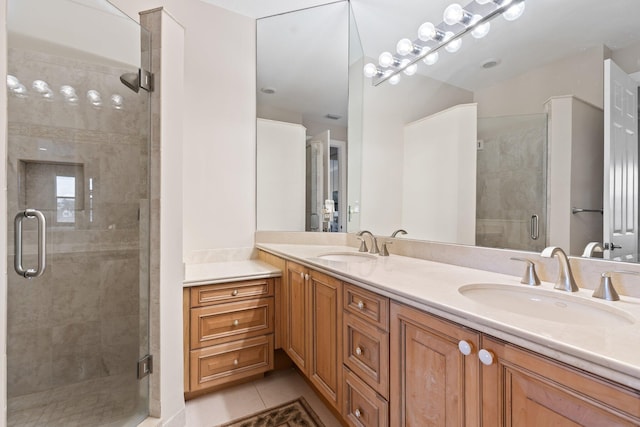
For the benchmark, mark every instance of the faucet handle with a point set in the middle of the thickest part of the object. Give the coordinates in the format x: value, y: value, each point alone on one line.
x: 384, y: 251
x: 530, y: 277
x: 606, y: 290
x: 363, y: 245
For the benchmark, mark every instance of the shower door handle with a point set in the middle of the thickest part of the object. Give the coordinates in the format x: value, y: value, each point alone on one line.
x: 42, y: 257
x: 535, y: 228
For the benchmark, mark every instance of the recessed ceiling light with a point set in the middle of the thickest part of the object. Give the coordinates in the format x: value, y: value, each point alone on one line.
x: 490, y: 63
x: 268, y: 90
x: 333, y: 116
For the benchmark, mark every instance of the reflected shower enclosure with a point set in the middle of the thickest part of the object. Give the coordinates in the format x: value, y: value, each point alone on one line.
x: 78, y: 152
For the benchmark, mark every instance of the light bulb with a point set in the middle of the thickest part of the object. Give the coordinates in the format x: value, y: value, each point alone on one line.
x: 453, y: 14
x: 411, y: 70
x: 404, y: 47
x: 395, y: 79
x: 479, y: 31
x: 385, y: 60
x: 452, y: 46
x: 67, y: 91
x: 40, y: 86
x: 116, y: 101
x: 12, y: 82
x: 94, y: 97
x: 370, y: 70
x: 514, y: 12
x: 431, y: 59
x: 427, y: 31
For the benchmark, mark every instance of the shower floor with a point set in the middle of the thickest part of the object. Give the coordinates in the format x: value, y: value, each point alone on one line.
x: 109, y: 401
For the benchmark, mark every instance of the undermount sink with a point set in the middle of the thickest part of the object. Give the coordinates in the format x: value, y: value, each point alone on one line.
x: 546, y: 304
x: 350, y: 257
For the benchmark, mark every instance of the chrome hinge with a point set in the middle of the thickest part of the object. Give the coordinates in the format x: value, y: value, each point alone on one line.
x: 146, y: 80
x: 145, y: 366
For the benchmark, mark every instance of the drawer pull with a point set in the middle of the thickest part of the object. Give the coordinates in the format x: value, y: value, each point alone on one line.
x: 357, y: 413
x: 235, y: 362
x: 359, y: 351
x: 301, y: 275
x: 361, y: 305
x: 306, y: 277
x: 236, y: 322
x: 234, y: 293
x: 465, y: 347
x: 486, y: 357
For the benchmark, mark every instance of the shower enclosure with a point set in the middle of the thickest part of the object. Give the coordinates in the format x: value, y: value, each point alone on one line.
x: 78, y: 203
x: 511, y: 208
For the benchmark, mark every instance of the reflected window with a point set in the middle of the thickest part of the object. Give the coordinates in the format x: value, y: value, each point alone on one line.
x: 66, y: 199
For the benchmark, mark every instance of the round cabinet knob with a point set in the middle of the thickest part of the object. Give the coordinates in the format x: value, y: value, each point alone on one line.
x: 235, y: 362
x: 465, y: 347
x: 236, y: 322
x: 360, y: 305
x: 359, y: 351
x: 486, y: 357
x: 301, y: 275
x: 306, y: 277
x: 357, y: 413
x: 234, y: 293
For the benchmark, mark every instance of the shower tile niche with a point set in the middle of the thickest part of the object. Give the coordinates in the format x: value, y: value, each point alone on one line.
x: 54, y: 187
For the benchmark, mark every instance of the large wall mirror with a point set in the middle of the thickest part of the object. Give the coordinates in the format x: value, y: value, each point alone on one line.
x: 503, y: 143
x: 307, y: 142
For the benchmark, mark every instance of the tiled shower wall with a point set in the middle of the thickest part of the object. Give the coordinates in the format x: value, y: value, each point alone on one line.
x: 81, y: 319
x: 511, y: 175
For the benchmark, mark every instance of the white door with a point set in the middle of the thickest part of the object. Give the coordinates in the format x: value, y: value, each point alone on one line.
x: 317, y: 181
x: 620, y: 164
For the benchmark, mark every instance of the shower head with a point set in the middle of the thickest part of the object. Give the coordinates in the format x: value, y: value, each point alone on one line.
x: 131, y: 80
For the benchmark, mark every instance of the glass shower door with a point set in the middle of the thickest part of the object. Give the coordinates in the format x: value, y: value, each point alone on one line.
x: 78, y: 197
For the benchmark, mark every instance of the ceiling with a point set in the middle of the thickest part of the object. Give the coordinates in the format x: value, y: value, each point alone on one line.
x: 548, y: 30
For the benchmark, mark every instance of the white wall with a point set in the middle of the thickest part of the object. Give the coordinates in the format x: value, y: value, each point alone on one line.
x: 439, y: 181
x: 219, y: 123
x: 281, y: 176
x: 171, y: 185
x: 3, y: 219
x: 386, y: 110
x: 581, y: 75
x: 575, y: 173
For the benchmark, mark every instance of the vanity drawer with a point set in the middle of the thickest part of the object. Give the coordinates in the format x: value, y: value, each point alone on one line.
x: 367, y: 305
x: 213, y: 294
x: 366, y: 352
x: 231, y: 361
x: 231, y: 321
x: 363, y: 407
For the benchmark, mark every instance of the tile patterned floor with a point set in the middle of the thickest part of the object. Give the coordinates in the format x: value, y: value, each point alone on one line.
x: 106, y: 402
x: 245, y: 399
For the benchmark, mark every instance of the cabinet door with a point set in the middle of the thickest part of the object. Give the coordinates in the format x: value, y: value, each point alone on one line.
x: 296, y: 315
x: 325, y: 368
x: 523, y: 389
x: 432, y: 382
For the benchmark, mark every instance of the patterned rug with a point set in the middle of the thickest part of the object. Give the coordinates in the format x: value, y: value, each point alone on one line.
x: 296, y: 413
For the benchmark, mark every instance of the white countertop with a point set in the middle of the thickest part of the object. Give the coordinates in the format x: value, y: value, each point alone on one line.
x: 613, y: 353
x: 219, y: 272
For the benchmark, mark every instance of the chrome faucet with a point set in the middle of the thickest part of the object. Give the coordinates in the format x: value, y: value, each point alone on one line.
x: 591, y: 248
x: 363, y: 245
x: 400, y: 231
x: 565, y: 282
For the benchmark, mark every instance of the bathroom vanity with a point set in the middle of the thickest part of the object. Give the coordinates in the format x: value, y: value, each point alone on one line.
x: 394, y: 341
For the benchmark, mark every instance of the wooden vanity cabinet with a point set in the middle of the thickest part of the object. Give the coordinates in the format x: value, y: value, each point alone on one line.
x: 521, y: 388
x: 432, y: 382
x: 229, y: 332
x: 313, y: 328
x: 365, y: 358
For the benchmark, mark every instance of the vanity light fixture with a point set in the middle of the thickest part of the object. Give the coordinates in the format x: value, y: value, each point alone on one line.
x: 474, y: 18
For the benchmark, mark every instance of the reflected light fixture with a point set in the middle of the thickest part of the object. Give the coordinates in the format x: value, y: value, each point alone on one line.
x: 457, y: 21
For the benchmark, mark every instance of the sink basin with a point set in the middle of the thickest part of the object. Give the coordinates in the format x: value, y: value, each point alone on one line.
x: 546, y: 304
x: 351, y: 257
